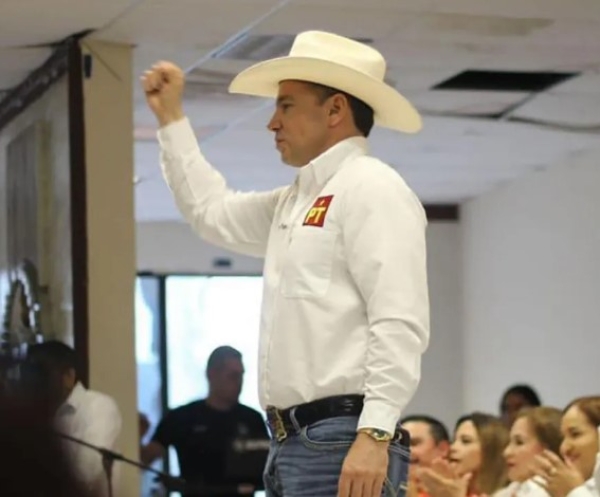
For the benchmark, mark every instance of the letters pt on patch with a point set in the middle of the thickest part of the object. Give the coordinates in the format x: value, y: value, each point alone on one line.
x: 318, y: 211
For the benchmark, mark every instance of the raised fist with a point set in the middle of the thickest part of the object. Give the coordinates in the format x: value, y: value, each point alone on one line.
x: 163, y: 85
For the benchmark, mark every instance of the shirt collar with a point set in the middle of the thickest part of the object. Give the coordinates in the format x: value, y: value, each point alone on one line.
x: 322, y: 168
x: 74, y: 400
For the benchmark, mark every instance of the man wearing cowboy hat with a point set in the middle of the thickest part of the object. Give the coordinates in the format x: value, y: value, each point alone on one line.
x: 345, y: 315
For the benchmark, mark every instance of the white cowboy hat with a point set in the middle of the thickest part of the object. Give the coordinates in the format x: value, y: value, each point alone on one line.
x: 337, y: 62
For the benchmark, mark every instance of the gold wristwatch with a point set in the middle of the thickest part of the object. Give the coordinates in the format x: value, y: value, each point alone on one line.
x: 375, y: 434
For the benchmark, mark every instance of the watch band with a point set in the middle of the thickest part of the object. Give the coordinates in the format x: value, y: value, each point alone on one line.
x: 376, y: 434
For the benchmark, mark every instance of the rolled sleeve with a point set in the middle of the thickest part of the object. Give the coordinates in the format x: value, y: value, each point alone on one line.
x: 384, y: 235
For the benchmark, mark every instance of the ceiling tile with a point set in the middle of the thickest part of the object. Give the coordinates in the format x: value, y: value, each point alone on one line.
x: 551, y: 9
x: 569, y: 110
x: 189, y: 23
x: 49, y: 21
x: 357, y: 22
x: 466, y: 102
x: 585, y: 84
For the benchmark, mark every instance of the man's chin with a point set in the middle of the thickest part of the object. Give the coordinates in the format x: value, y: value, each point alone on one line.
x: 291, y: 163
x: 286, y: 159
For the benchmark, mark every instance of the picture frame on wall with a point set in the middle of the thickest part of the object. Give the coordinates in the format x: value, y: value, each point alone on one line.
x: 26, y: 311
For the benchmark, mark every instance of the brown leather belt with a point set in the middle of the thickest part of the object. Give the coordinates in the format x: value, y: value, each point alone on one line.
x: 281, y: 424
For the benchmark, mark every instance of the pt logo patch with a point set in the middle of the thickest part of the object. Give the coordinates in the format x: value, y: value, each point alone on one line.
x: 316, y: 214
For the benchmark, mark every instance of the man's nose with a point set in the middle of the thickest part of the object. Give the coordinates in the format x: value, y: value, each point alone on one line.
x: 274, y: 124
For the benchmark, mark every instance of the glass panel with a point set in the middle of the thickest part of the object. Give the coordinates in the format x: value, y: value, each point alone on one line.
x: 204, y: 312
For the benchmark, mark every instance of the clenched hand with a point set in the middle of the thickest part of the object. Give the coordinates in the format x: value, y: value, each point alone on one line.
x: 163, y: 85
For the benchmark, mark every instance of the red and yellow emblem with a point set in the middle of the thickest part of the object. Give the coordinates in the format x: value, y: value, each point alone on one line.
x: 316, y: 214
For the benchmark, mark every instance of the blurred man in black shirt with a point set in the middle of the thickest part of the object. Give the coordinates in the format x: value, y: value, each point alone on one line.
x: 204, y: 432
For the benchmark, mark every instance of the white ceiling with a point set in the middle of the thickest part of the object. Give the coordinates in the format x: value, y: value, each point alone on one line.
x: 424, y: 41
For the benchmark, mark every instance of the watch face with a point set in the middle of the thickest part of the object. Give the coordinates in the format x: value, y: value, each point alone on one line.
x: 378, y: 434
x: 381, y: 434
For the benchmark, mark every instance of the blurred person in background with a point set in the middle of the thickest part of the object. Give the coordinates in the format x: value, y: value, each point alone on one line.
x: 429, y: 440
x: 81, y: 413
x: 33, y: 460
x: 203, y: 431
x: 516, y: 398
x: 573, y: 475
x: 475, y: 466
x: 535, y: 430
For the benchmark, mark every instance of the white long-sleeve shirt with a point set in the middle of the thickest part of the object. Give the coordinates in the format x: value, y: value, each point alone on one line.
x: 345, y: 306
x: 94, y: 418
x: 528, y: 488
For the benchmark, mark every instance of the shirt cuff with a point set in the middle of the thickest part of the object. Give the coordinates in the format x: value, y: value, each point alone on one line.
x: 177, y: 138
x: 379, y: 415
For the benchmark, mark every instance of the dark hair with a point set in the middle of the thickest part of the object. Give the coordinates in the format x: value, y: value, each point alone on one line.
x: 438, y: 431
x: 54, y: 355
x: 362, y: 114
x: 221, y: 354
x: 493, y: 439
x: 525, y: 391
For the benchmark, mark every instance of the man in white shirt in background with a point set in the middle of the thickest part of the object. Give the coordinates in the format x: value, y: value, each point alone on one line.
x: 345, y: 315
x: 86, y: 415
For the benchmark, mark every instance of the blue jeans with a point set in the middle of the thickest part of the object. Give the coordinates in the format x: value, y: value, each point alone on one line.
x: 309, y: 463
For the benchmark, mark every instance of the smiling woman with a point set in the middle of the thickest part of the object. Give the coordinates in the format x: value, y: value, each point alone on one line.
x: 580, y: 423
x: 573, y: 475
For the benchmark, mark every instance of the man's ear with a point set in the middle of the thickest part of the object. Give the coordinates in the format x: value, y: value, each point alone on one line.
x: 71, y: 377
x: 338, y: 108
x: 444, y: 448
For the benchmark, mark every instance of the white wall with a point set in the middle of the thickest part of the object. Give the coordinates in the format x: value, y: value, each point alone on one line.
x: 531, y: 256
x: 441, y: 391
x: 172, y: 247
